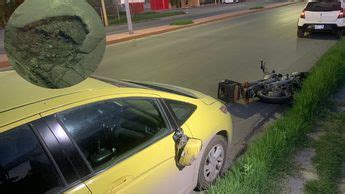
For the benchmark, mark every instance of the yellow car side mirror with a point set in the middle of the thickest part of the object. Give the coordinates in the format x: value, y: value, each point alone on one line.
x: 190, y: 152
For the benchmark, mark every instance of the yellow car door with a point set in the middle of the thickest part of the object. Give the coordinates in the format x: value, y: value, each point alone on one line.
x: 128, y: 143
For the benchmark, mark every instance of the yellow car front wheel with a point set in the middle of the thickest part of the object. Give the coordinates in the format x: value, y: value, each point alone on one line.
x: 212, y: 162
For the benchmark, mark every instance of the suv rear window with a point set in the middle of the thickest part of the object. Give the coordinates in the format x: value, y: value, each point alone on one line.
x: 323, y: 6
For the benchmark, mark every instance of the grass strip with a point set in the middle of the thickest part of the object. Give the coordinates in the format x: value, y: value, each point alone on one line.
x: 260, y: 169
x: 330, y: 156
x: 145, y: 16
x: 257, y: 7
x: 182, y: 22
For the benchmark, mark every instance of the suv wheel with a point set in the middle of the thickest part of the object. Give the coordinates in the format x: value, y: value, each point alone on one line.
x: 300, y: 32
x: 212, y: 162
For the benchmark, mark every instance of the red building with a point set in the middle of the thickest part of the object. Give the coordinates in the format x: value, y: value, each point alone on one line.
x: 160, y: 4
x: 136, y: 6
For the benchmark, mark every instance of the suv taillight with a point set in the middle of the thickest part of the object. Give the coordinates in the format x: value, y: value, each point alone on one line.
x: 302, y: 14
x: 341, y: 14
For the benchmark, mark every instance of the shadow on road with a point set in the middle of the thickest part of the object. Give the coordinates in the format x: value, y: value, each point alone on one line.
x: 322, y: 36
x: 245, y: 111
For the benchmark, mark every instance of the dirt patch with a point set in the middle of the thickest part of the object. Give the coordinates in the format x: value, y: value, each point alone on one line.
x: 295, y: 182
x: 342, y: 184
x: 306, y: 174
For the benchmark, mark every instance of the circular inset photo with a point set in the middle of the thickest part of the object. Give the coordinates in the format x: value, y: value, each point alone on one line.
x: 56, y: 43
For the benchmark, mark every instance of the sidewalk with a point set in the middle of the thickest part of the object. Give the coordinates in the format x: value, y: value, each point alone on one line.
x: 161, y: 28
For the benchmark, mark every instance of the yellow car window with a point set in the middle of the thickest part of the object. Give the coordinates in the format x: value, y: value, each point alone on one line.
x: 24, y: 166
x: 109, y: 131
x: 181, y: 110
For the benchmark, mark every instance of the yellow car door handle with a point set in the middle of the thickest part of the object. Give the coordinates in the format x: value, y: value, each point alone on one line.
x: 119, y: 183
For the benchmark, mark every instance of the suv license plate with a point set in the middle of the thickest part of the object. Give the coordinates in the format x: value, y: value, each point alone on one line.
x: 319, y: 27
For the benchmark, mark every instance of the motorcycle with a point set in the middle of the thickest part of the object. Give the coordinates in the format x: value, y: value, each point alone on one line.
x: 274, y: 88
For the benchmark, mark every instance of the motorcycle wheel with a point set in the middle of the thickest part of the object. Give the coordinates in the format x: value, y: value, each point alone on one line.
x: 273, y: 99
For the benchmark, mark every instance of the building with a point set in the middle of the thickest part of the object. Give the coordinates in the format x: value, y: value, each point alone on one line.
x: 160, y: 4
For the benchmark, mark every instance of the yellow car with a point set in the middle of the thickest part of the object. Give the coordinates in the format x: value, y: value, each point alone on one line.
x: 108, y: 136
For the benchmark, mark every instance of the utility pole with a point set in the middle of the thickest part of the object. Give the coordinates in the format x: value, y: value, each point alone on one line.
x: 104, y: 12
x: 129, y: 18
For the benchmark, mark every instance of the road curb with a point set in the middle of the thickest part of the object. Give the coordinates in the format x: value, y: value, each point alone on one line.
x: 122, y: 37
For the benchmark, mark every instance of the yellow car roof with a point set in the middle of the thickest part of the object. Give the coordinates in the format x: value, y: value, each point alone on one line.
x: 21, y: 101
x: 17, y: 92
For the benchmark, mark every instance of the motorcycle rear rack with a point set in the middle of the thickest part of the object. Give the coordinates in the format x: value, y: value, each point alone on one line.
x: 231, y: 92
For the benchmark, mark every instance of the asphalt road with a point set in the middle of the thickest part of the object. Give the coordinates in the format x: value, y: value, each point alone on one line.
x: 201, y: 56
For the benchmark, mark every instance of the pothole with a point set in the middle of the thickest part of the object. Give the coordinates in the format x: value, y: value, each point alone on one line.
x: 59, y: 48
x: 54, y: 48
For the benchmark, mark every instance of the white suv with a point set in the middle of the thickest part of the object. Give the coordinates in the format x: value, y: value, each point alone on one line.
x: 322, y: 15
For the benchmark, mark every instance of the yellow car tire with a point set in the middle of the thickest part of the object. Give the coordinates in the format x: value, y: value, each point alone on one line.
x: 212, y: 162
